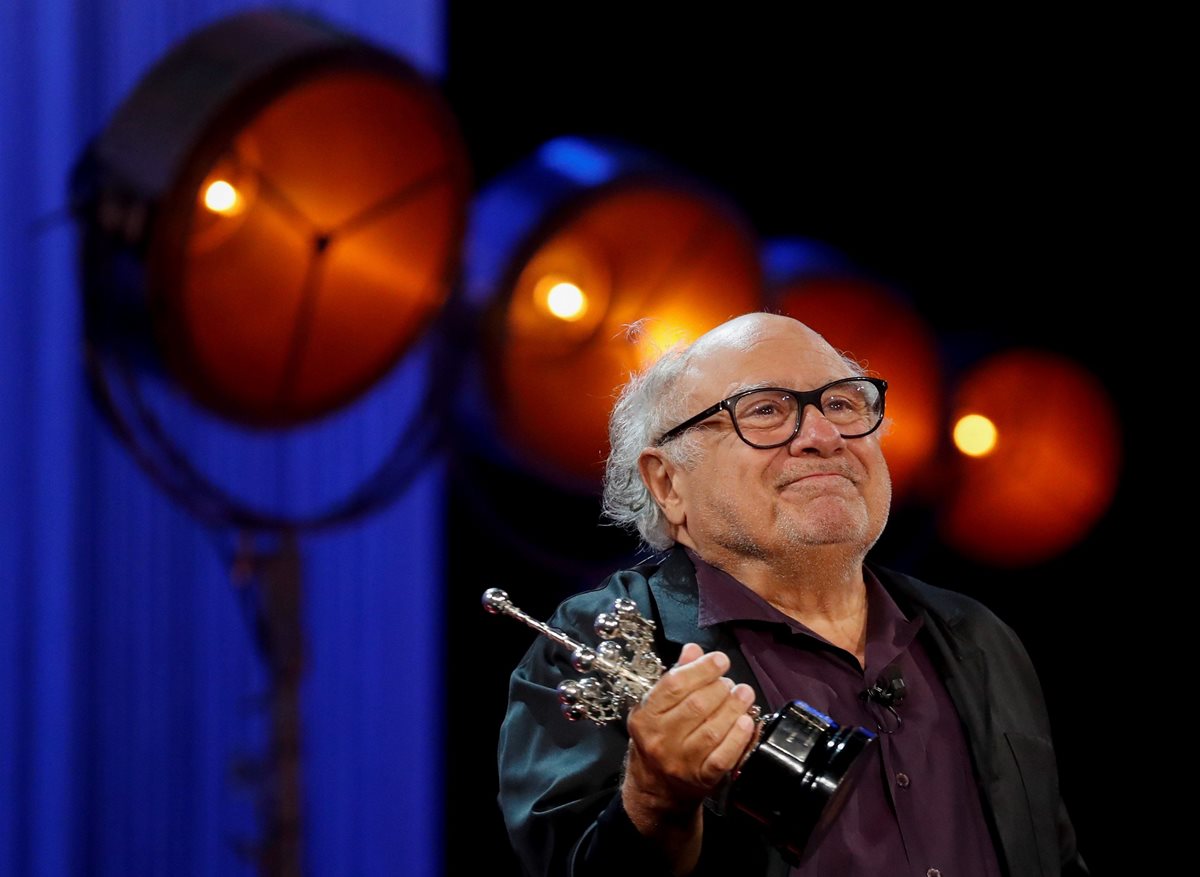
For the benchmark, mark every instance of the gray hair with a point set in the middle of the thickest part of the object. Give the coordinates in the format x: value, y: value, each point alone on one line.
x: 647, y: 406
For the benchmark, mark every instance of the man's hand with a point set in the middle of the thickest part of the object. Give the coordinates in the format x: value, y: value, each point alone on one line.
x: 688, y: 732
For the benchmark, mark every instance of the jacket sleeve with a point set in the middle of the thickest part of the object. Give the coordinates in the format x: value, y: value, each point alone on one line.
x: 560, y: 780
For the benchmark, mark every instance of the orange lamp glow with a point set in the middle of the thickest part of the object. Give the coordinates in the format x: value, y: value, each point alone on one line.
x: 878, y: 329
x: 304, y: 212
x: 221, y: 197
x: 1052, y: 470
x: 975, y: 435
x: 655, y: 252
x: 562, y: 298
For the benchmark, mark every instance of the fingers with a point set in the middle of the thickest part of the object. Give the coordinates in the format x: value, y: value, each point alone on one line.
x: 726, y: 735
x: 696, y: 675
x: 692, y: 728
x: 689, y: 653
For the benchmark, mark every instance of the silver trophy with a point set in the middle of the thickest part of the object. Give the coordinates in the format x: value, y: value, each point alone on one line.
x: 794, y: 776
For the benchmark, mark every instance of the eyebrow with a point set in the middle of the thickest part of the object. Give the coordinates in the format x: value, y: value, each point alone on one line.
x: 762, y: 385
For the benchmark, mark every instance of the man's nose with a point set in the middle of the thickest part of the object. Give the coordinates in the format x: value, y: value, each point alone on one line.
x: 817, y: 432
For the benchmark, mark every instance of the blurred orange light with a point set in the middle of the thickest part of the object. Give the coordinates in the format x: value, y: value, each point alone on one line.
x: 221, y: 197
x: 975, y: 435
x: 1053, y: 471
x: 878, y: 329
x: 657, y: 256
x: 566, y: 301
x: 274, y: 214
x: 319, y: 247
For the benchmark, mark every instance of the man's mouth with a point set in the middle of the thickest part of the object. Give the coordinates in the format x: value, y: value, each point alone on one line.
x: 816, y: 477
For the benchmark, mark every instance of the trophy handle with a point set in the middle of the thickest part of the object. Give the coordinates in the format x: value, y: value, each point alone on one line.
x: 625, y: 664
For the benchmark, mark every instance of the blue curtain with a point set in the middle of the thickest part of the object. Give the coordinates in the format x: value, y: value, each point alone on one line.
x: 130, y: 685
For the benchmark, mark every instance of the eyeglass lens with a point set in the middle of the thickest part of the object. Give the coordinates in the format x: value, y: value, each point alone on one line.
x: 768, y: 416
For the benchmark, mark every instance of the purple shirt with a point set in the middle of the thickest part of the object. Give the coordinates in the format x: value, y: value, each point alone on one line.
x: 916, y: 810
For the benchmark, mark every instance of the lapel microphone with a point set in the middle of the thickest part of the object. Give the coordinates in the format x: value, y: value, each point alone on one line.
x: 888, y: 691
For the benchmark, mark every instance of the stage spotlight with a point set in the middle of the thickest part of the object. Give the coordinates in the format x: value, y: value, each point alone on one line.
x: 1040, y: 453
x: 272, y: 216
x: 270, y: 220
x: 874, y: 324
x: 566, y: 253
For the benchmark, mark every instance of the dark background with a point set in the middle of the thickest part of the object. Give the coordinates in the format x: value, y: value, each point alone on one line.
x: 981, y: 174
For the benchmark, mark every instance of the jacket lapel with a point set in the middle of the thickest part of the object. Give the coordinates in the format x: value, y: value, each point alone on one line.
x: 678, y: 603
x: 677, y: 600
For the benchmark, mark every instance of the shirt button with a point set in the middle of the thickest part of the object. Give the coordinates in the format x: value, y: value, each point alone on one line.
x: 902, y: 782
x: 933, y: 872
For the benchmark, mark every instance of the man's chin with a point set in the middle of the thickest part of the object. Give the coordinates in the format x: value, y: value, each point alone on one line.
x: 832, y: 523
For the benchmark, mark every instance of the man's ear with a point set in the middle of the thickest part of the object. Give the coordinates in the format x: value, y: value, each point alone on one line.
x: 661, y: 478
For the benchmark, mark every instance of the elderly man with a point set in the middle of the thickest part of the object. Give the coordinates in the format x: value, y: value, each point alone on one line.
x: 752, y: 460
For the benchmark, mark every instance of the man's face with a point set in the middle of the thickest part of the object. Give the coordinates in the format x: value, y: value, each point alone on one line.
x: 818, y: 490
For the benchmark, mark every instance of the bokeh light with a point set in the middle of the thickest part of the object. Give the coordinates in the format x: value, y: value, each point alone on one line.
x: 975, y: 435
x: 1054, y: 468
x: 272, y: 217
x: 639, y: 268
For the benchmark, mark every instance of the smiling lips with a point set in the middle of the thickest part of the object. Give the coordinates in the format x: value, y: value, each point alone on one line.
x: 789, y: 480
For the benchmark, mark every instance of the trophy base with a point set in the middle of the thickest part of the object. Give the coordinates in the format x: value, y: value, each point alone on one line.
x: 796, y: 780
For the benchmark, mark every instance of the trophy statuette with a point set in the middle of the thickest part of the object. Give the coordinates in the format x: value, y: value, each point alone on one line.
x: 793, y: 778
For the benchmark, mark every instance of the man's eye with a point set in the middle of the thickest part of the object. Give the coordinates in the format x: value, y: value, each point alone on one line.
x: 764, y: 409
x: 845, y: 404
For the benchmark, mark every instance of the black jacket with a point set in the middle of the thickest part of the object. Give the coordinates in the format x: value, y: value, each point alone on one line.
x: 559, y: 781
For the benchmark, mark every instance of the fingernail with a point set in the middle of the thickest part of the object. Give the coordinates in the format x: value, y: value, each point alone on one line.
x: 745, y: 694
x: 722, y: 661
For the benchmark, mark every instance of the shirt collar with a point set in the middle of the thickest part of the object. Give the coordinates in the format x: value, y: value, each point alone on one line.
x: 723, y: 599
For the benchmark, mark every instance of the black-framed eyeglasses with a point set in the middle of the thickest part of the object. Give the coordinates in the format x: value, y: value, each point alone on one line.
x: 768, y: 417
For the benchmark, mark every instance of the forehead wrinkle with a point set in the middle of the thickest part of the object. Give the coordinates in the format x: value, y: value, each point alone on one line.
x: 739, y: 337
x: 741, y: 387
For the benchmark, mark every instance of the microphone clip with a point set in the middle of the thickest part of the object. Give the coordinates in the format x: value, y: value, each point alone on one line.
x: 888, y: 691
